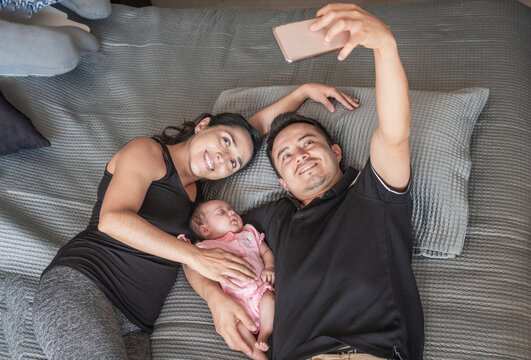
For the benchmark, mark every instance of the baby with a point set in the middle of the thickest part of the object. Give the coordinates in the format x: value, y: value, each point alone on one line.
x: 216, y: 221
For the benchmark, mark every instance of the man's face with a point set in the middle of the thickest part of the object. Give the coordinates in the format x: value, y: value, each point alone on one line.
x: 308, y: 166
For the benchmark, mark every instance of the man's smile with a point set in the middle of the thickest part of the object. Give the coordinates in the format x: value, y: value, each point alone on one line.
x: 306, y: 167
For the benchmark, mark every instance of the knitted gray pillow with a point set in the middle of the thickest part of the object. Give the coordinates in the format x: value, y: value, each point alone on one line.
x: 442, y: 125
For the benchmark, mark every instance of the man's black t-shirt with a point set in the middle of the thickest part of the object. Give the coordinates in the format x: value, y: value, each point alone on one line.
x: 343, y: 271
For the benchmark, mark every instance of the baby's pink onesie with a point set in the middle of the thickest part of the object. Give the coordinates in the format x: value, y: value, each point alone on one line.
x: 246, y: 243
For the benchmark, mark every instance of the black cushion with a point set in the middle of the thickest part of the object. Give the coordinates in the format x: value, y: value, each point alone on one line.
x: 17, y: 131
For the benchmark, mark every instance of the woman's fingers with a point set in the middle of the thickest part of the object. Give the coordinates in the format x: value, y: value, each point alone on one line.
x: 216, y: 263
x: 347, y: 101
x: 324, y: 100
x: 224, y: 281
x: 342, y: 98
x: 244, y: 266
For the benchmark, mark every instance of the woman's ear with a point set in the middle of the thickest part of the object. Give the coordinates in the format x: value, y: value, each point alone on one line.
x: 202, y: 124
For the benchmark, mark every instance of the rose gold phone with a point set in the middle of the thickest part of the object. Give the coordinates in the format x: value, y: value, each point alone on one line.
x: 297, y: 42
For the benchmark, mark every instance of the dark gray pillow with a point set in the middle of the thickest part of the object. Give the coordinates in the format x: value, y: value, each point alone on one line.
x: 17, y: 131
x: 442, y: 125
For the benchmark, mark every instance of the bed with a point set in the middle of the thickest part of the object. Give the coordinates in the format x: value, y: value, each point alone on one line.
x: 158, y: 67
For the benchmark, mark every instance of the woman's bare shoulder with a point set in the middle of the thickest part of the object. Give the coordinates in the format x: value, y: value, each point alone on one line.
x: 141, y: 152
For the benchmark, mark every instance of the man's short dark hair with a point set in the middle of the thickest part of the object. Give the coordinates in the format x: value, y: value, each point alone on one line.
x: 284, y: 120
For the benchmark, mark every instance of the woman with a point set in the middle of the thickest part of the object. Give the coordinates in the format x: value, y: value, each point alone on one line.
x: 100, y: 296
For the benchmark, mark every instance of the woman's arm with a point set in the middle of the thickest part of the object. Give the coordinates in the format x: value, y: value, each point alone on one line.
x: 262, y: 120
x: 134, y: 167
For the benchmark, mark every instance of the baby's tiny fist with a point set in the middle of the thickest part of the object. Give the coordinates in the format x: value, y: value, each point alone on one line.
x: 184, y: 238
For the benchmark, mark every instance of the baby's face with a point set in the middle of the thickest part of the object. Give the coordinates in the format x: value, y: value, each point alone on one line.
x: 219, y: 219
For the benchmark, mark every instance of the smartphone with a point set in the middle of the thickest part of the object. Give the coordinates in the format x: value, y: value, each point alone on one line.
x: 297, y: 42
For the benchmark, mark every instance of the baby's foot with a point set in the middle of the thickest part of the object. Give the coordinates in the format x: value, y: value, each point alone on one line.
x: 261, y: 345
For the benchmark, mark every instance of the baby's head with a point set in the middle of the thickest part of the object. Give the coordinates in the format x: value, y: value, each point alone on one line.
x: 213, y: 219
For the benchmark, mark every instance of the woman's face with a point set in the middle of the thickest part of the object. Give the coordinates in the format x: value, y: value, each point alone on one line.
x: 219, y: 151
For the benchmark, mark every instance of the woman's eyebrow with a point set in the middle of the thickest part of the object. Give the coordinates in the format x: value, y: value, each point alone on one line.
x: 236, y: 146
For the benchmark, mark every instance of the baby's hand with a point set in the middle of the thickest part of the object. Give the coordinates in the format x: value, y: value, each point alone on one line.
x: 268, y: 275
x: 184, y: 238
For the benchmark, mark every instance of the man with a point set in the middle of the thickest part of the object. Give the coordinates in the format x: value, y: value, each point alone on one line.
x: 342, y: 241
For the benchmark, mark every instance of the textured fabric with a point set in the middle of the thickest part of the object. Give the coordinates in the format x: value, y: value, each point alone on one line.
x: 53, y: 50
x: 136, y: 282
x: 246, y: 243
x: 18, y: 132
x: 158, y: 67
x: 441, y: 128
x: 90, y: 9
x: 32, y: 5
x: 343, y: 271
x: 73, y: 319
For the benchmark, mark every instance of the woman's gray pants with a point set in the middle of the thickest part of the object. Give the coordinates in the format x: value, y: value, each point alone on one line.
x: 73, y: 319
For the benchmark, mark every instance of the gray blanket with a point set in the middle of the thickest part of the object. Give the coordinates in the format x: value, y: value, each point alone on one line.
x: 157, y: 67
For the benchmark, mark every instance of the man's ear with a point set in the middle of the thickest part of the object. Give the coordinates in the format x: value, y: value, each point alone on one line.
x: 337, y: 150
x: 202, y: 124
x: 204, y: 231
x: 283, y: 183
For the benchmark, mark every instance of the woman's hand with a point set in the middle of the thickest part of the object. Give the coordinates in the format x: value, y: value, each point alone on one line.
x: 216, y: 264
x: 320, y: 93
x: 364, y: 29
x: 268, y: 275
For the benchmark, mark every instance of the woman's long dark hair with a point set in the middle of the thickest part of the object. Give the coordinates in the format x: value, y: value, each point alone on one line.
x: 175, y: 134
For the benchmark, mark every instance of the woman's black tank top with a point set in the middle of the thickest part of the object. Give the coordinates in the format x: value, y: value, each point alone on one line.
x: 136, y: 282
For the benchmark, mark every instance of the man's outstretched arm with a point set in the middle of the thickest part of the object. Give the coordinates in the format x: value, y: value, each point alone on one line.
x: 389, y: 148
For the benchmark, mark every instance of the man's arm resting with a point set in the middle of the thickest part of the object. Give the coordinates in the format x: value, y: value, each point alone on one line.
x: 226, y: 313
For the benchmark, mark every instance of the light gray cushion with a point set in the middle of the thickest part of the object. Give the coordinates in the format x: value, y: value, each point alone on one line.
x: 90, y: 9
x: 51, y: 51
x: 442, y: 124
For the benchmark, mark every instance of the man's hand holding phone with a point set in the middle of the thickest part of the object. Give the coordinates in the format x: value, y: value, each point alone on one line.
x: 365, y: 29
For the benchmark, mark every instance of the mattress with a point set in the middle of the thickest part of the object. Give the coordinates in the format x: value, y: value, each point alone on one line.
x: 158, y: 67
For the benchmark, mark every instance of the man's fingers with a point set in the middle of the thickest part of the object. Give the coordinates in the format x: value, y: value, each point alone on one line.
x: 235, y: 342
x: 335, y: 30
x: 246, y: 320
x: 347, y: 49
x: 336, y: 7
x: 327, y: 19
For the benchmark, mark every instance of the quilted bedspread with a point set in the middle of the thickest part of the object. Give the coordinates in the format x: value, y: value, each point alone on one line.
x: 158, y: 67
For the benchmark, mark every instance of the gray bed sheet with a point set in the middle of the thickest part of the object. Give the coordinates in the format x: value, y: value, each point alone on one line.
x: 158, y: 67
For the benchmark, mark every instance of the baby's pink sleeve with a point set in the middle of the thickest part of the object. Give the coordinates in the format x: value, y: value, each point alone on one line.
x: 202, y: 245
x: 258, y: 237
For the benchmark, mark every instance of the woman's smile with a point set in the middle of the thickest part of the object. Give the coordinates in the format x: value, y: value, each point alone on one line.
x: 209, y: 162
